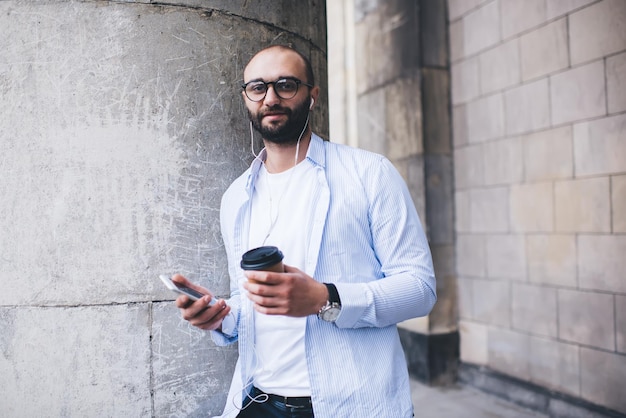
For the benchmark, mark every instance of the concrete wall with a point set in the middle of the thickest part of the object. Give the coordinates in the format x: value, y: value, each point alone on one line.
x: 539, y: 110
x: 121, y: 126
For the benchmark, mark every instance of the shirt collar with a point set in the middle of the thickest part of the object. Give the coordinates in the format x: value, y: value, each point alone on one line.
x: 315, y: 154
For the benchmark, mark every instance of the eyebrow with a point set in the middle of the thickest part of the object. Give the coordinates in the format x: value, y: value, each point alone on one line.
x: 279, y: 78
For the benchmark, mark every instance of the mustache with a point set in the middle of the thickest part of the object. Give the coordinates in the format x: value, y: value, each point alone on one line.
x: 276, y: 109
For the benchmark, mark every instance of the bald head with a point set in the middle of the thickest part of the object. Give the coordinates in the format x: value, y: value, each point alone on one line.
x: 285, y: 54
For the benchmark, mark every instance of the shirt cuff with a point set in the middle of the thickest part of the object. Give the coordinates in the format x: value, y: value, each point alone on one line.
x: 355, y: 298
x: 228, y: 325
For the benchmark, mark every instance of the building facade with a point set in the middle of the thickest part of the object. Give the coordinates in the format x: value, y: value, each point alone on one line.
x: 532, y: 275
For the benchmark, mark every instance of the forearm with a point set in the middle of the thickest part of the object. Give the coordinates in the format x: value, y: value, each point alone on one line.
x: 384, y: 302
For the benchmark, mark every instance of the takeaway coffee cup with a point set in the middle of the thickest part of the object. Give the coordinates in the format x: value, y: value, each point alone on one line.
x: 267, y: 258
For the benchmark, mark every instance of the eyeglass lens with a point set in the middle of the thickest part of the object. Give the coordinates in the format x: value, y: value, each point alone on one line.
x: 284, y: 88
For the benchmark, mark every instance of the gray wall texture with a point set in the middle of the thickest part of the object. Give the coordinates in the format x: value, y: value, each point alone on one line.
x: 121, y: 126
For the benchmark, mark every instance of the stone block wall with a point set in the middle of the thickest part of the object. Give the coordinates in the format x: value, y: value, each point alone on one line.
x: 539, y: 131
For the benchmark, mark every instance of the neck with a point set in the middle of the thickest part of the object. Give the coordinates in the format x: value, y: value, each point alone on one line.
x: 282, y: 157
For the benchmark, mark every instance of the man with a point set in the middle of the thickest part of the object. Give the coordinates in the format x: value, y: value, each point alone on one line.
x: 320, y: 338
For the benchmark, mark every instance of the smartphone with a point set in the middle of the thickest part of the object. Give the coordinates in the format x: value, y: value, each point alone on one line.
x: 190, y: 293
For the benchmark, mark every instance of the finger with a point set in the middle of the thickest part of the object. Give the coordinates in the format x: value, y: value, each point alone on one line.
x: 270, y: 310
x: 197, y: 307
x: 213, y: 322
x: 212, y: 317
x: 262, y: 289
x: 183, y: 302
x: 267, y: 301
x: 291, y: 269
x: 179, y: 279
x: 256, y: 276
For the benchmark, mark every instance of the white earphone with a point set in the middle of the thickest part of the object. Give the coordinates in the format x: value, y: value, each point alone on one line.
x: 312, y: 103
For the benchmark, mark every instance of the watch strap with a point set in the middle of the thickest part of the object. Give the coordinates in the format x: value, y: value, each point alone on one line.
x: 333, y: 294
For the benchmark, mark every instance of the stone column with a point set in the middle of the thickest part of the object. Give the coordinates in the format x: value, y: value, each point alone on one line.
x: 121, y: 126
x: 402, y: 101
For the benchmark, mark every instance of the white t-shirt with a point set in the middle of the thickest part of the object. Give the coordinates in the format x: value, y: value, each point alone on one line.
x: 281, y: 205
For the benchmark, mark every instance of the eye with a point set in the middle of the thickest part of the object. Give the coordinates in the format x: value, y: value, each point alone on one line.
x: 256, y: 87
x: 286, y: 86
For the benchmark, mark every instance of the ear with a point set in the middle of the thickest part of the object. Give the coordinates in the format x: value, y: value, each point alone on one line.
x: 315, y: 91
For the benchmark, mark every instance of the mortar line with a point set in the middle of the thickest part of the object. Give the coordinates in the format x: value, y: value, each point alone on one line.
x: 151, y: 357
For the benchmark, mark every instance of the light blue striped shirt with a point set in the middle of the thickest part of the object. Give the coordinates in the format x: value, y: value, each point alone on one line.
x: 367, y: 238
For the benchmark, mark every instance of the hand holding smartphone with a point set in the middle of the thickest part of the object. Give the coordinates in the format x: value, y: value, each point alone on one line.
x: 228, y: 323
x: 182, y: 290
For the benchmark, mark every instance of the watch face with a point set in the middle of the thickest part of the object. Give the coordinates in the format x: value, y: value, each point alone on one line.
x: 331, y: 314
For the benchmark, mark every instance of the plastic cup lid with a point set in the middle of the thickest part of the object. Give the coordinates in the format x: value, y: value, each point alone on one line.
x: 261, y: 258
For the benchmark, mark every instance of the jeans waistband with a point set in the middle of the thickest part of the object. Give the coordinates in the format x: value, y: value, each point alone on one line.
x: 288, y: 401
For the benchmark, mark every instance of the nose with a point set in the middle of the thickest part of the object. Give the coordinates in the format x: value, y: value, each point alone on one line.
x: 271, y: 98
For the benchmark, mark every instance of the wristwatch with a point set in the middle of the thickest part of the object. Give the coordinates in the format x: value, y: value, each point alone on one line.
x: 330, y: 312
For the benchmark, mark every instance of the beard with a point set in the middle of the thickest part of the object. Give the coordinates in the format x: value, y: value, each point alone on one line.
x: 286, y: 133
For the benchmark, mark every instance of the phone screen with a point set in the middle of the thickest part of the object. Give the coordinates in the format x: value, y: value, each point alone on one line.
x: 189, y: 291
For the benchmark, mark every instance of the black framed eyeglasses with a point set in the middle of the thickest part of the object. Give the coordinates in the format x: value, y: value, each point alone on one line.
x: 285, y: 88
